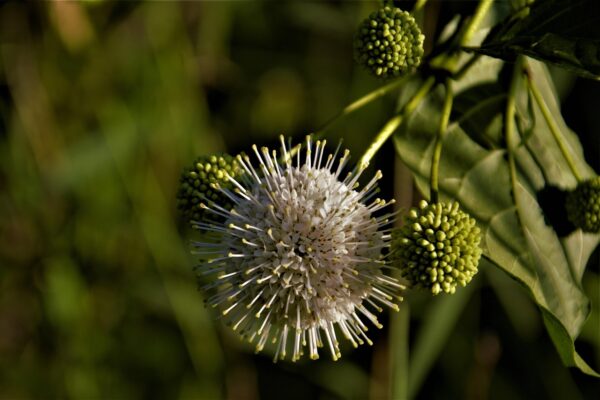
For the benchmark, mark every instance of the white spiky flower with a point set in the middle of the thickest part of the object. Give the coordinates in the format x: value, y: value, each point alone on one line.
x: 299, y: 253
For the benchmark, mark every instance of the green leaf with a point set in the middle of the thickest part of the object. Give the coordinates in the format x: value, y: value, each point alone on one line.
x: 561, y: 32
x: 517, y: 237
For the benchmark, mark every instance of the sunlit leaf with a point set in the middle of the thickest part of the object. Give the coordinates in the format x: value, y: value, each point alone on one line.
x: 517, y: 236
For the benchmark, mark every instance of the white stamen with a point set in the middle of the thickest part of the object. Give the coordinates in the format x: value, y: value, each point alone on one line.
x: 302, y: 247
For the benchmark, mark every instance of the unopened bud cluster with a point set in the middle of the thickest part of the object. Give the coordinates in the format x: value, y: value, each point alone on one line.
x: 389, y: 43
x: 200, y: 183
x: 438, y: 247
x: 583, y: 205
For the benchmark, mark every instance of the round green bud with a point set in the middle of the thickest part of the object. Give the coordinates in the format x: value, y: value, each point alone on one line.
x: 438, y: 247
x: 201, y: 182
x: 583, y: 205
x: 389, y: 43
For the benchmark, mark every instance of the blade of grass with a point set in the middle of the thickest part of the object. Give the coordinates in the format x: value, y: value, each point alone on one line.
x: 439, y: 321
x: 399, y: 357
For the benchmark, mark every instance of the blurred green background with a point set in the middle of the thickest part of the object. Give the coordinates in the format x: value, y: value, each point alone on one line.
x: 103, y: 103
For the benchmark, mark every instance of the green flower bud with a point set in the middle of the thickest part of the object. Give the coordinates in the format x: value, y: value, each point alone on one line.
x: 201, y: 182
x: 438, y: 247
x: 583, y: 205
x: 389, y: 43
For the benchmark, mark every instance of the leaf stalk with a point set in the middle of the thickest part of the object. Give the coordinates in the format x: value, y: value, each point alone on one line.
x: 437, y: 151
x: 552, y: 125
x: 390, y: 127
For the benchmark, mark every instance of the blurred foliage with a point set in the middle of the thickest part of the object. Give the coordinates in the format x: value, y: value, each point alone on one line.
x: 101, y: 106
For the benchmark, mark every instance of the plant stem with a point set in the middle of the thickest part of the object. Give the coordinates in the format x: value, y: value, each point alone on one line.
x: 395, y: 122
x: 418, y: 6
x: 361, y: 102
x: 482, y: 9
x: 509, y: 122
x: 449, y: 59
x: 382, y: 136
x: 552, y: 125
x: 437, y: 151
x: 399, y: 349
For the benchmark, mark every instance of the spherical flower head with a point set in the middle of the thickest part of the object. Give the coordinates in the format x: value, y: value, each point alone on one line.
x: 200, y: 182
x: 298, y: 259
x: 389, y: 43
x: 583, y: 205
x: 438, y: 247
